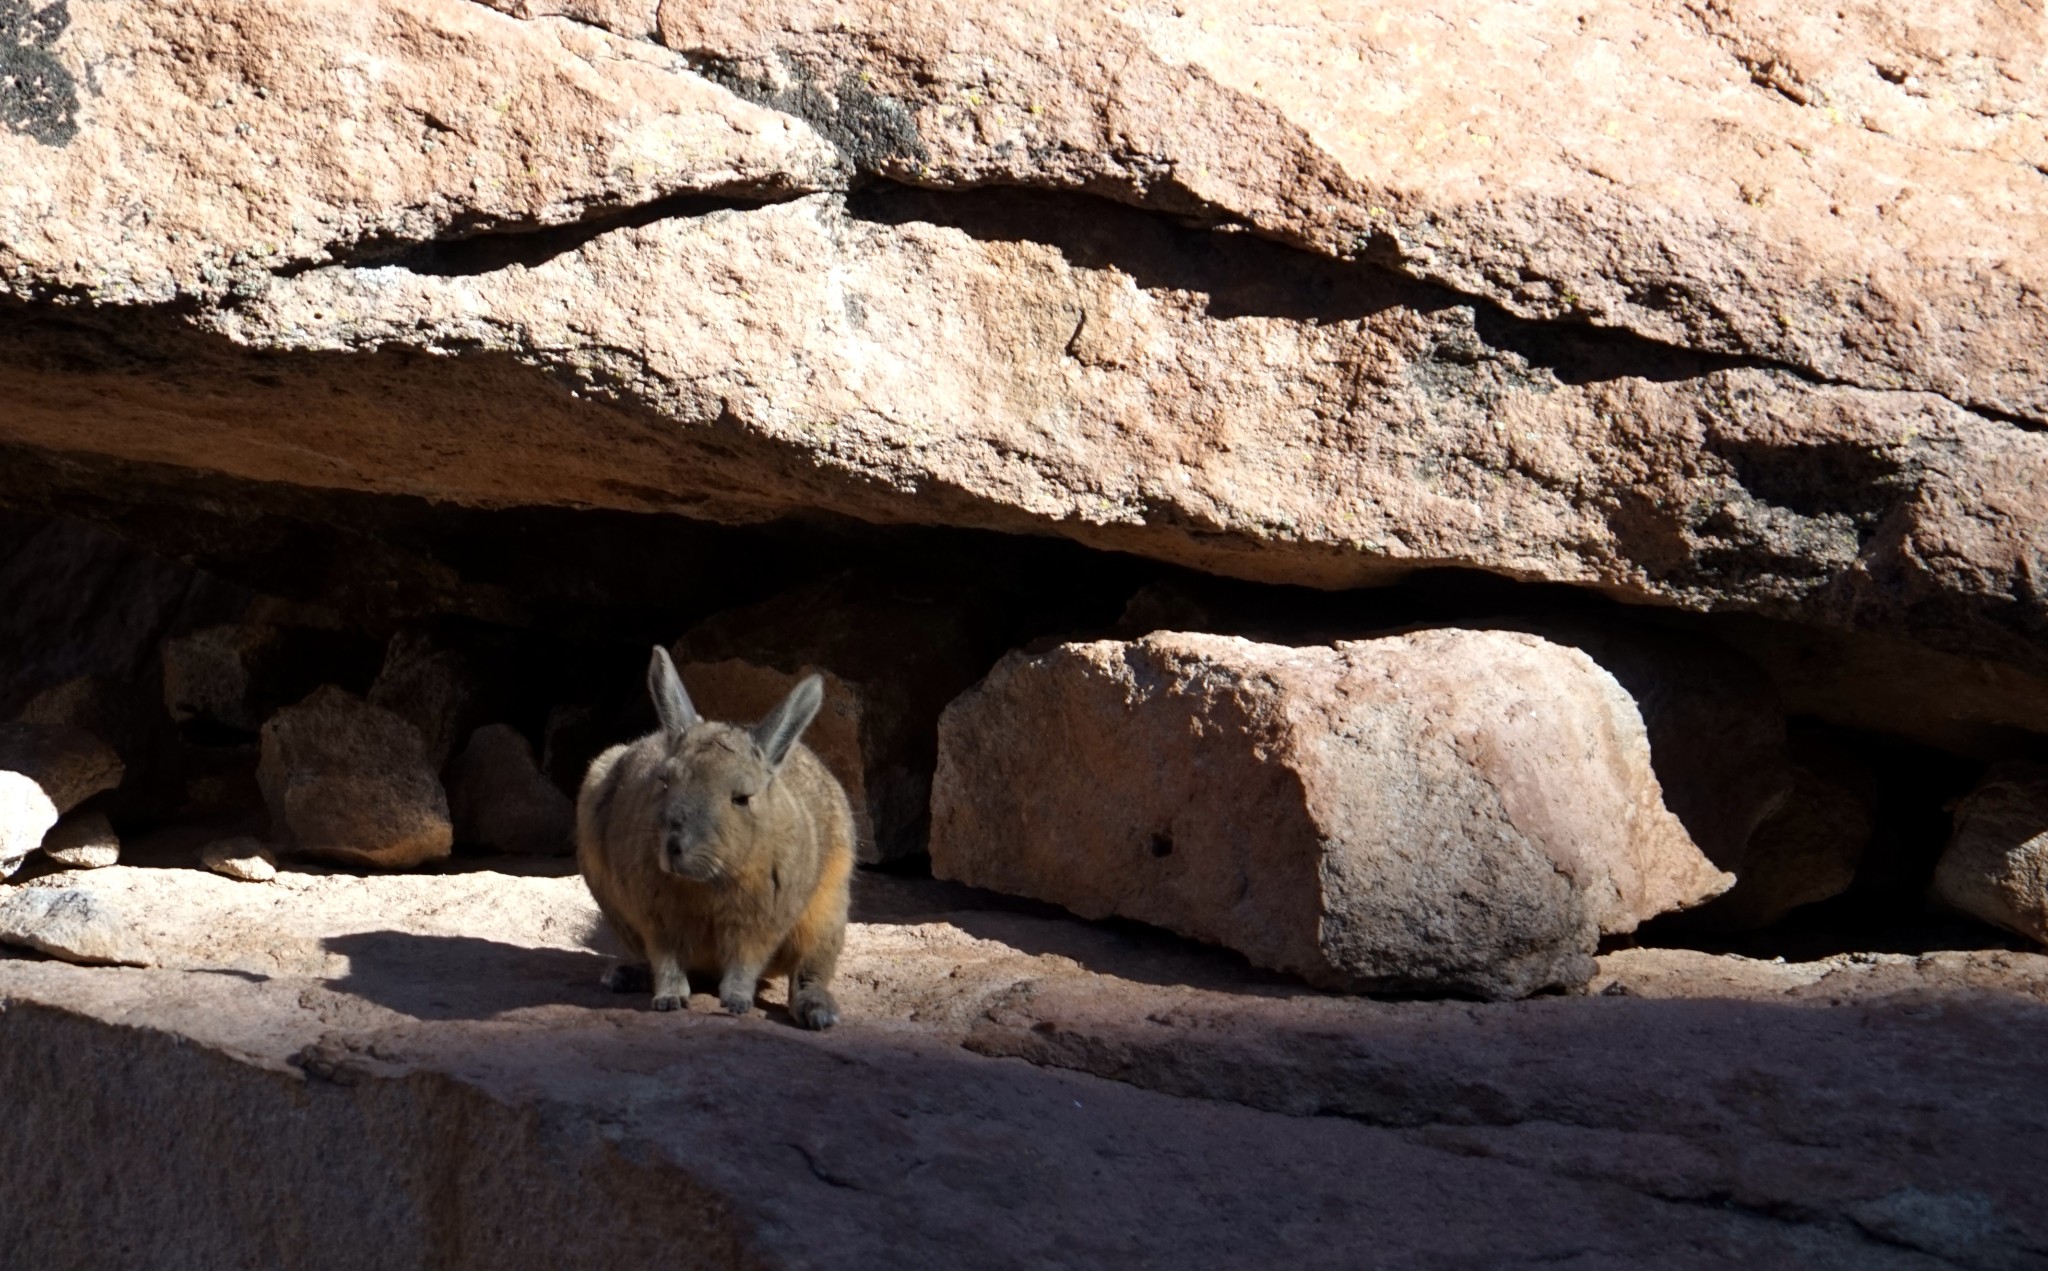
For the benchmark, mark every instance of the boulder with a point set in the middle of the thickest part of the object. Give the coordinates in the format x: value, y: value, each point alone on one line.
x: 134, y: 722
x: 71, y: 923
x: 1443, y: 810
x: 83, y: 840
x: 1806, y: 851
x: 45, y: 771
x: 243, y: 858
x: 236, y: 675
x: 1996, y: 864
x: 1717, y: 733
x: 431, y: 686
x: 891, y: 659
x: 347, y: 781
x: 500, y: 798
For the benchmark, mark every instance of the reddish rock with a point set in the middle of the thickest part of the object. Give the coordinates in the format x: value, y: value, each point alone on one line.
x: 500, y: 798
x: 349, y: 782
x: 1996, y: 863
x: 1445, y: 810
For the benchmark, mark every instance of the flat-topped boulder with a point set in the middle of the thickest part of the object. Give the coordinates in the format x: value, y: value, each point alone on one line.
x: 1446, y: 810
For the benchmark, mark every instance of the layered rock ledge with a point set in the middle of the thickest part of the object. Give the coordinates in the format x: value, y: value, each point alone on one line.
x: 421, y: 1070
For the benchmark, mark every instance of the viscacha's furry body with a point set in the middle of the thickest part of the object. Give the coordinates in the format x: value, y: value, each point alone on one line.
x: 720, y: 851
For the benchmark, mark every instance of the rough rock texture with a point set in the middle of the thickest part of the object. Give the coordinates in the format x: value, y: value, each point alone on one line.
x: 45, y: 771
x: 432, y: 687
x: 1866, y: 1113
x: 68, y: 923
x: 76, y: 601
x: 500, y: 798
x: 1736, y: 310
x: 891, y: 663
x: 1805, y: 852
x: 1717, y: 735
x: 347, y: 781
x: 241, y: 858
x: 83, y: 840
x: 1461, y: 810
x: 238, y: 674
x: 1996, y: 865
x: 133, y: 721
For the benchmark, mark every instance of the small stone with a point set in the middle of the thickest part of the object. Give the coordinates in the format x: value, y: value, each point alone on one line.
x: 1996, y: 864
x: 501, y: 799
x: 83, y: 840
x: 71, y: 924
x: 347, y: 781
x: 244, y: 858
x: 134, y: 722
x: 1441, y: 811
x: 45, y: 771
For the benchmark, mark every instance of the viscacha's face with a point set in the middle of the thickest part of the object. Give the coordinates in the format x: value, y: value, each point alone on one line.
x: 710, y: 785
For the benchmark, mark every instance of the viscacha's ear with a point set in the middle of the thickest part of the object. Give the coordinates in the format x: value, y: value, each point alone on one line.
x: 779, y: 731
x: 671, y: 703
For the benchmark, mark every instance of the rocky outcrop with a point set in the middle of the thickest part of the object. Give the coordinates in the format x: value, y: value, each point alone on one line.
x: 45, y: 771
x: 347, y: 781
x: 1442, y: 810
x: 500, y: 798
x: 688, y: 275
x: 133, y: 721
x: 1996, y: 864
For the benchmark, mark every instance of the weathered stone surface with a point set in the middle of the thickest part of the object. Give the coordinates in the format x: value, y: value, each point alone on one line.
x: 68, y: 923
x: 83, y: 840
x: 500, y: 798
x: 891, y: 662
x: 45, y: 771
x: 241, y: 858
x: 432, y: 687
x: 1717, y: 734
x: 1804, y: 852
x: 347, y: 781
x: 1173, y: 1105
x: 1442, y: 810
x: 1696, y: 342
x: 1996, y: 864
x: 135, y: 723
x: 76, y: 601
x: 238, y: 674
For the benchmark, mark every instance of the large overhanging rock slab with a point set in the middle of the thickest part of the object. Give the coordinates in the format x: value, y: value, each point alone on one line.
x: 1854, y: 189
x: 1443, y: 810
x: 1671, y: 323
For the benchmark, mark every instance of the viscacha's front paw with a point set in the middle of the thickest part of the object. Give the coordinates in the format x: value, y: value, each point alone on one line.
x: 734, y: 1004
x: 815, y: 1010
x: 670, y: 1002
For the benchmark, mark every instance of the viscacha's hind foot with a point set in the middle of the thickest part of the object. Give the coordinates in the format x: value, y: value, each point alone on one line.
x: 628, y: 977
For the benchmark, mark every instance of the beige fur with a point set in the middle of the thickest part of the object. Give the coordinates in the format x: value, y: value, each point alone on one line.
x: 695, y: 882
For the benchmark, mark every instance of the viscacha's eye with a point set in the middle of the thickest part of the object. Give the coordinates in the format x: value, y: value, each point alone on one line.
x: 740, y: 800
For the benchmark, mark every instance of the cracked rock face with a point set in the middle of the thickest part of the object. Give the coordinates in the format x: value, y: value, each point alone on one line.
x: 1732, y: 310
x: 1447, y: 810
